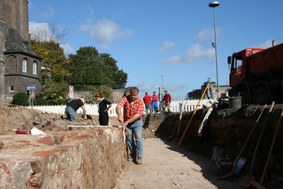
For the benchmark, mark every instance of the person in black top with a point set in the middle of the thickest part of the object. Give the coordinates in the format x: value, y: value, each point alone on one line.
x: 103, y: 108
x: 73, y: 106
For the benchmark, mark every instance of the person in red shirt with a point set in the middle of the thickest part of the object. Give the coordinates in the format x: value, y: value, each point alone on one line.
x: 167, y: 99
x: 154, y: 102
x: 147, y: 102
x: 131, y: 118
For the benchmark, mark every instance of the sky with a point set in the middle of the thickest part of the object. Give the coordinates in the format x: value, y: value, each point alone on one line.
x: 161, y: 42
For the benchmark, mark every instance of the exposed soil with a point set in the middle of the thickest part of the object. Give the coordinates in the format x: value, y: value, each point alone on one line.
x: 169, y: 167
x: 164, y: 165
x: 23, y: 118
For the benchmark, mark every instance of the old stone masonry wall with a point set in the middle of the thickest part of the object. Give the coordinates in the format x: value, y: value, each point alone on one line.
x: 80, y: 158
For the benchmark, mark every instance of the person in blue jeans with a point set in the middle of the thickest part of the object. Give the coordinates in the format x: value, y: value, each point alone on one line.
x: 73, y: 106
x: 133, y: 110
x: 154, y: 102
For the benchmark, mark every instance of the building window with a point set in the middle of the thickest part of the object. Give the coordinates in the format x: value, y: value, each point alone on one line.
x: 24, y: 65
x: 12, y: 88
x: 34, y: 68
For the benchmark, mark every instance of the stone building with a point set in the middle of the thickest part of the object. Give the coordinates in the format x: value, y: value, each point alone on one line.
x: 19, y: 65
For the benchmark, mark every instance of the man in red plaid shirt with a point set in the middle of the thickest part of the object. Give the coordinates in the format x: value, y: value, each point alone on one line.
x: 132, y: 119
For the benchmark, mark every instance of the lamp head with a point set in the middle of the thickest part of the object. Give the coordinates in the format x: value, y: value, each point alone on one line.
x: 214, y: 4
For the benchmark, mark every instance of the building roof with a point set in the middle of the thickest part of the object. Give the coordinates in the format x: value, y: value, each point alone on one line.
x: 15, y: 44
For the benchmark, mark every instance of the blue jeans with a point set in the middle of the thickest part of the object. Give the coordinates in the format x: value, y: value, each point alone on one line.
x: 154, y: 106
x: 134, y: 140
x: 70, y: 113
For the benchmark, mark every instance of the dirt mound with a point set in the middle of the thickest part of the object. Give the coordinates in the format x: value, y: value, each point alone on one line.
x: 23, y: 118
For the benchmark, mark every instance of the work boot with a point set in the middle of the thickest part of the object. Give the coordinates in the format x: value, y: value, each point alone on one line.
x: 139, y: 160
x: 130, y: 159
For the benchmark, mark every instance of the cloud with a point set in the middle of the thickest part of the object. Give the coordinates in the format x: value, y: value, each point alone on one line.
x: 166, y: 46
x: 196, y: 51
x: 68, y: 49
x: 44, y: 32
x: 105, y: 31
x: 193, y: 55
x: 41, y: 32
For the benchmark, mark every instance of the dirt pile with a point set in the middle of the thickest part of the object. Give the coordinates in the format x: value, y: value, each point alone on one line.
x: 13, y: 118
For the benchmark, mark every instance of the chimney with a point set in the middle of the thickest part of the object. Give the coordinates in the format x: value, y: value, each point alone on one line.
x: 273, y: 43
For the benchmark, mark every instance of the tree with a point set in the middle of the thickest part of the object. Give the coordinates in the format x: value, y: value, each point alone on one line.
x: 54, y: 72
x: 117, y: 77
x: 89, y: 68
x: 105, y: 90
x: 20, y: 99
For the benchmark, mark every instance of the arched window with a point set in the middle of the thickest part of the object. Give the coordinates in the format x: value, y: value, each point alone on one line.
x: 34, y: 68
x: 24, y: 65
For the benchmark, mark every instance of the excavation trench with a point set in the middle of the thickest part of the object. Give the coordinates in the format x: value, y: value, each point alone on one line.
x: 95, y: 157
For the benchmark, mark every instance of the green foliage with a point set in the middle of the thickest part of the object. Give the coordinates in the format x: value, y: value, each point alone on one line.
x: 55, y: 93
x: 53, y: 77
x: 86, y: 70
x: 20, y: 99
x: 88, y: 67
x: 105, y: 90
x: 54, y: 60
x: 40, y: 102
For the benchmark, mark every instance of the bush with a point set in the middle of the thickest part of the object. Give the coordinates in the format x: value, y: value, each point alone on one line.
x: 20, y: 99
x: 40, y: 102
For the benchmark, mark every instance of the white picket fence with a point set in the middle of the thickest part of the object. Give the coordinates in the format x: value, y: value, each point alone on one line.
x: 92, y: 109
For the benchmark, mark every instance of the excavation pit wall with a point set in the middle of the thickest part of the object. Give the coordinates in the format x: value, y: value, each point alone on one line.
x: 227, y: 130
x: 79, y: 158
x: 94, y: 158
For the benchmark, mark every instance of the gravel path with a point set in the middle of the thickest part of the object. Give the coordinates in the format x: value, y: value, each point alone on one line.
x: 168, y: 167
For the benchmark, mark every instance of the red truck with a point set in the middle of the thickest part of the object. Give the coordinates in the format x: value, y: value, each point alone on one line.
x: 256, y: 75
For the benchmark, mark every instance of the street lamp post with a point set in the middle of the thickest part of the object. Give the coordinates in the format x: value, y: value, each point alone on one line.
x: 213, y: 5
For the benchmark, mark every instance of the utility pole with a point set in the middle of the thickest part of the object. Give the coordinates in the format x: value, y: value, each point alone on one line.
x: 213, y: 5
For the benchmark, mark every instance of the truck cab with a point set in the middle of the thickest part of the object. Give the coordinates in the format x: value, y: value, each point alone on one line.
x: 240, y: 66
x: 240, y: 73
x: 257, y: 75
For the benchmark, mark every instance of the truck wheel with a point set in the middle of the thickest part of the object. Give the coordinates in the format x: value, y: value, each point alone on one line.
x: 261, y: 96
x: 245, y: 97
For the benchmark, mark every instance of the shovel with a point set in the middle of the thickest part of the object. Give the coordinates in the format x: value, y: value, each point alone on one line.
x: 250, y: 178
x: 255, y: 184
x: 240, y: 161
x: 178, y: 123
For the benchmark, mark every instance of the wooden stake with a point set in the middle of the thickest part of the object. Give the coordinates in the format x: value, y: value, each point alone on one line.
x: 271, y: 148
x: 184, y: 133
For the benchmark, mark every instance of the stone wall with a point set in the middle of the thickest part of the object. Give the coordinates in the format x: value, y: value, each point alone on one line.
x: 82, y: 158
x: 15, y: 15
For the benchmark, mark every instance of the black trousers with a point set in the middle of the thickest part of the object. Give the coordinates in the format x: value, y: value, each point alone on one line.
x: 103, y: 119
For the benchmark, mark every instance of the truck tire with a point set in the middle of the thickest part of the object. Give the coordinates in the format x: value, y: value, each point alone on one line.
x: 261, y: 96
x: 245, y: 97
